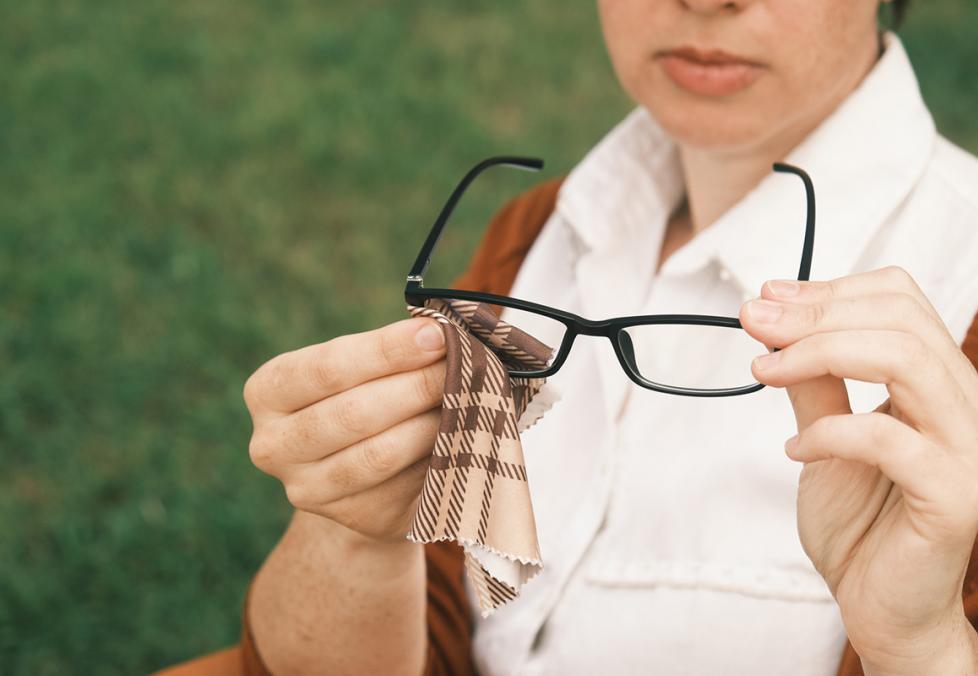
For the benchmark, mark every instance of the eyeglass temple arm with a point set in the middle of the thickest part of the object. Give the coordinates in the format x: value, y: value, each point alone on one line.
x: 424, y: 256
x: 805, y: 269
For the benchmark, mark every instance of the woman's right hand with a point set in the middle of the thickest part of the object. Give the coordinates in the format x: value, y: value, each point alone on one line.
x: 348, y: 425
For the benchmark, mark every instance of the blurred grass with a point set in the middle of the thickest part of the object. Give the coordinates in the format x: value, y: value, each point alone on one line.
x: 187, y: 189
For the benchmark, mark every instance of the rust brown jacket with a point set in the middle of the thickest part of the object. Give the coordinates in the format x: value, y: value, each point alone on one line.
x: 493, y: 269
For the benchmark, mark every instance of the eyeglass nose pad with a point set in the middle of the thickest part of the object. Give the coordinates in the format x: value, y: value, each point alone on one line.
x: 627, y: 349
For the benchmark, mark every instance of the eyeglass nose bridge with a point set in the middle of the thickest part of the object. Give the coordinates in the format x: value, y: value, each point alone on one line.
x: 594, y: 327
x: 621, y: 343
x: 599, y: 329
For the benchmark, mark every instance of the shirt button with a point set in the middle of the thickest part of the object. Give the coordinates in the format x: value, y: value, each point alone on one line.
x: 724, y: 274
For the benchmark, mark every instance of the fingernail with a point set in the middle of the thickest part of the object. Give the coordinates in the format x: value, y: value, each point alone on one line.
x: 784, y: 287
x: 764, y: 310
x: 766, y: 360
x: 790, y: 444
x: 430, y: 337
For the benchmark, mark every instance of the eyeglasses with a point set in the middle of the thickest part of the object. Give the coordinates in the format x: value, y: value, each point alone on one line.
x: 644, y: 344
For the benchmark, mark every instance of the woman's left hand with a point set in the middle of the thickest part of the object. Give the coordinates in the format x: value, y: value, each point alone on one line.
x: 887, y: 500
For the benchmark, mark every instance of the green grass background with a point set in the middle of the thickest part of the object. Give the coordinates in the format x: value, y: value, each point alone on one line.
x: 188, y: 188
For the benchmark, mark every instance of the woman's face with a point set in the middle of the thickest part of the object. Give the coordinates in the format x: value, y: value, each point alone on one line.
x: 736, y: 75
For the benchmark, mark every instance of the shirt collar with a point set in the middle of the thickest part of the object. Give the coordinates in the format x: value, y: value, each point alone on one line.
x: 863, y: 159
x: 630, y: 177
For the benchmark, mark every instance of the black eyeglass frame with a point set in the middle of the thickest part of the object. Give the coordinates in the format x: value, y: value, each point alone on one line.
x: 415, y: 292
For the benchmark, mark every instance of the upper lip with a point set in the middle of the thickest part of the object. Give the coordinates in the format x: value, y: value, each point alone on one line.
x: 707, y: 56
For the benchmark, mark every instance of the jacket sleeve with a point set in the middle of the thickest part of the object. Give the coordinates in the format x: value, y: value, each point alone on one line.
x: 449, y: 623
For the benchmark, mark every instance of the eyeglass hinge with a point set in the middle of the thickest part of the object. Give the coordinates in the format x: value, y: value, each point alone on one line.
x: 416, y: 278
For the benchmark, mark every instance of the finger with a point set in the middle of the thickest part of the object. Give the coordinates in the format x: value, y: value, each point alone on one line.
x: 386, y: 510
x: 889, y: 279
x: 354, y: 415
x: 905, y: 456
x: 810, y: 399
x: 816, y: 398
x: 294, y: 380
x: 918, y: 382
x: 371, y: 461
x: 781, y: 323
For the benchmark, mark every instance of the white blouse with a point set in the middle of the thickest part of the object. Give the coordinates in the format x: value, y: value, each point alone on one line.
x: 667, y: 523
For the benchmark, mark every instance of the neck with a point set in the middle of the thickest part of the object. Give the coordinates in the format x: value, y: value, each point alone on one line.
x: 716, y: 179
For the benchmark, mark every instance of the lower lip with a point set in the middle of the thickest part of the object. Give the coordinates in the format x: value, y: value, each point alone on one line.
x: 710, y: 79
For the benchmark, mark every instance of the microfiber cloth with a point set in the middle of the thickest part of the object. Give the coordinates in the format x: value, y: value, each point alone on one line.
x: 475, y: 492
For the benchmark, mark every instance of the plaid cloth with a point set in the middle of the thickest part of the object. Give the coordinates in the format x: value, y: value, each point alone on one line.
x: 475, y: 492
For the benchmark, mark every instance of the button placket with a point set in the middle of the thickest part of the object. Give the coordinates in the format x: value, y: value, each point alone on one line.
x: 595, y: 507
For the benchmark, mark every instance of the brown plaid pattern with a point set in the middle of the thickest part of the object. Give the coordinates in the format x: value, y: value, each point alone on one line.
x: 475, y: 492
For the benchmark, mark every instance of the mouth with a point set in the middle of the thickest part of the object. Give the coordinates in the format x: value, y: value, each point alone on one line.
x: 709, y: 72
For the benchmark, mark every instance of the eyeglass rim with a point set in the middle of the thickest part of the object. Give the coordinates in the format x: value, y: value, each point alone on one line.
x: 415, y: 293
x: 610, y: 328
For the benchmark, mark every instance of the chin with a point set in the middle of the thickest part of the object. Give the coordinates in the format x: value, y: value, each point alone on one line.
x: 733, y: 122
x: 710, y: 125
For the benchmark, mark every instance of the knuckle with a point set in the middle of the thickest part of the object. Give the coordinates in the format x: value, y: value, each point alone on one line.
x: 377, y: 456
x: 392, y: 350
x: 430, y: 383
x: 913, y: 350
x: 299, y: 495
x: 260, y: 452
x: 815, y: 314
x: 879, y: 428
x: 259, y: 382
x: 908, y: 308
x: 304, y: 431
x: 834, y: 288
x: 342, y: 480
x: 350, y: 415
x: 268, y: 378
x: 256, y: 452
x: 325, y: 371
x: 250, y: 392
x: 897, y: 276
x: 276, y: 372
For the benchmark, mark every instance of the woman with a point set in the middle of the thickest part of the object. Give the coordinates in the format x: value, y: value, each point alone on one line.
x: 674, y: 546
